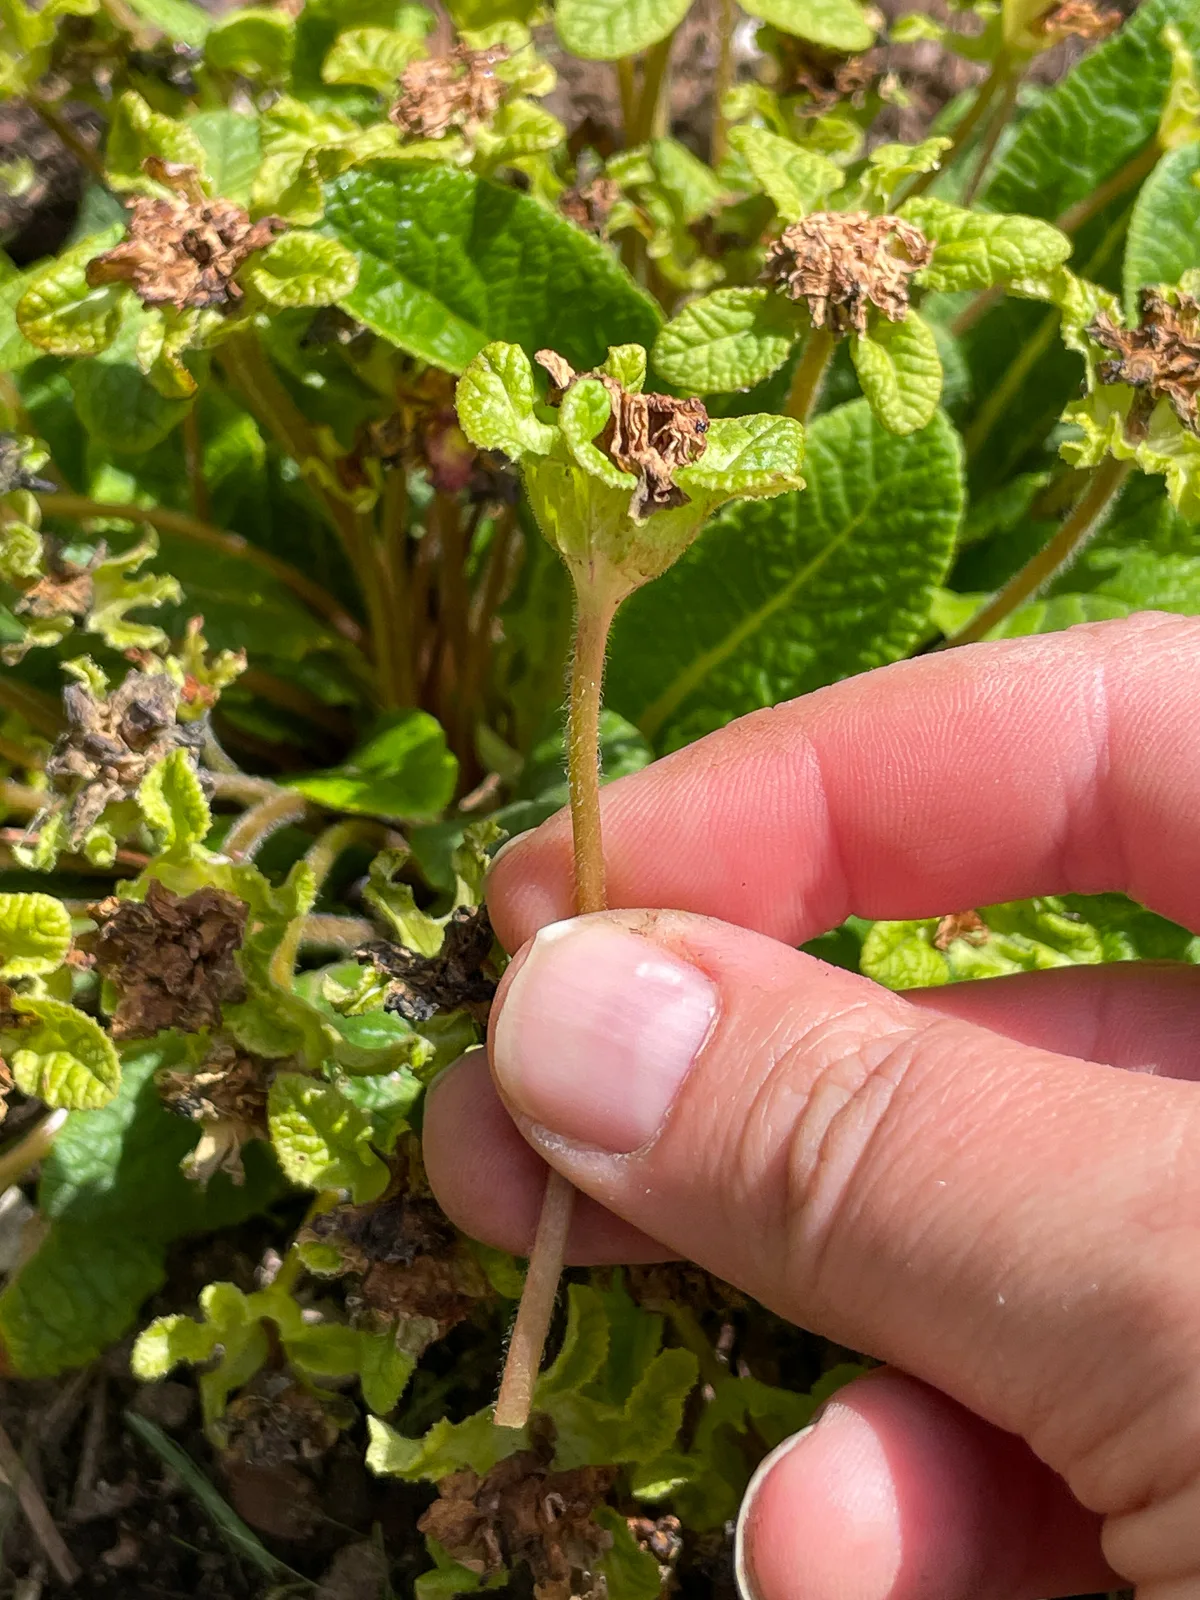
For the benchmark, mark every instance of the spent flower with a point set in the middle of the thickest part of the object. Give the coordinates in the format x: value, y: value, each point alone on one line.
x: 841, y: 262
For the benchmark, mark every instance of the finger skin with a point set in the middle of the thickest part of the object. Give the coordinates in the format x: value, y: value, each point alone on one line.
x: 1065, y: 762
x: 899, y: 1494
x: 1017, y: 1228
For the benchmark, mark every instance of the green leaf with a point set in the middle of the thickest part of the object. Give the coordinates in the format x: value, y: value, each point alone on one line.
x: 116, y: 592
x: 630, y: 1573
x: 374, y: 57
x: 520, y: 128
x: 585, y: 1346
x: 449, y: 262
x: 730, y: 339
x: 254, y: 42
x: 15, y: 349
x: 1179, y: 122
x: 447, y: 1447
x: 135, y: 132
x: 174, y: 805
x: 891, y: 165
x: 900, y: 372
x: 606, y: 30
x: 836, y: 24
x: 383, y: 1370
x: 1096, y: 119
x: 584, y: 413
x: 179, y: 19
x: 304, y: 269
x: 35, y: 935
x: 748, y: 458
x: 779, y: 598
x: 65, y: 1057
x: 321, y: 1140
x: 796, y: 180
x: 404, y: 771
x: 495, y: 399
x: 1164, y: 231
x: 901, y: 955
x: 976, y: 249
x: 61, y: 313
x: 447, y: 1578
x: 232, y: 151
x: 121, y: 409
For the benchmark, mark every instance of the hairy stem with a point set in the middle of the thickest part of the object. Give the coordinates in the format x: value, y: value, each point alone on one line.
x: 243, y: 787
x: 18, y: 800
x: 1005, y: 101
x: 723, y: 82
x: 324, y: 931
x: 809, y: 376
x: 252, y: 830
x: 1090, y: 510
x: 583, y: 774
x: 321, y: 857
x: 317, y: 599
x: 193, y: 461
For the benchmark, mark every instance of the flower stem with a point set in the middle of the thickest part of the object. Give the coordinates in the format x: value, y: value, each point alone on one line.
x: 1090, y: 510
x: 809, y: 376
x: 991, y: 86
x: 321, y: 857
x: 654, y: 75
x: 723, y: 82
x: 1006, y: 99
x: 252, y: 830
x: 583, y: 774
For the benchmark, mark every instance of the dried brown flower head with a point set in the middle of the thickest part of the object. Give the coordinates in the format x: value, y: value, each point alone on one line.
x: 275, y: 1422
x: 968, y: 925
x: 455, y: 977
x: 1078, y: 19
x: 589, y: 205
x: 843, y: 261
x: 661, y: 1537
x: 183, y: 251
x: 1160, y: 357
x: 227, y: 1093
x: 170, y: 958
x: 649, y: 436
x: 111, y: 744
x: 523, y: 1513
x: 458, y: 90
x: 826, y: 76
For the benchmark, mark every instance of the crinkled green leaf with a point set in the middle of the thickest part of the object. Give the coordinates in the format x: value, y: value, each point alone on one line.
x: 304, y: 269
x: 64, y: 1057
x: 383, y: 1370
x: 1179, y: 121
x: 606, y: 30
x: 584, y: 413
x: 495, y: 399
x: 975, y: 249
x: 137, y: 131
x: 779, y: 598
x: 1096, y: 119
x: 254, y: 42
x: 394, y: 901
x: 447, y: 1447
x: 1164, y: 231
x: 232, y: 150
x: 627, y: 364
x: 730, y: 339
x: 900, y: 372
x: 61, y: 314
x: 520, y: 127
x: 748, y: 458
x: 321, y: 1140
x: 404, y: 771
x: 1164, y: 447
x: 178, y: 19
x: 796, y: 180
x: 374, y: 57
x: 836, y: 24
x: 585, y: 1346
x: 122, y: 410
x: 116, y: 592
x: 35, y: 935
x: 21, y: 553
x: 15, y: 349
x: 174, y: 805
x: 448, y: 262
x: 891, y: 165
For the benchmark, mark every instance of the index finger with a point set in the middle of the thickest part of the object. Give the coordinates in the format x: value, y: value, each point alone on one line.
x: 1065, y: 763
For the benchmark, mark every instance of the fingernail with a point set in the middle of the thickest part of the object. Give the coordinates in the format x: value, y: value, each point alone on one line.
x: 509, y: 844
x: 743, y: 1569
x: 597, y: 1033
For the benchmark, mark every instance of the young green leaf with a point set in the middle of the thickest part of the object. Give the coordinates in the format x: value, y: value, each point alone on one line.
x: 136, y: 132
x: 174, y: 804
x: 1164, y: 231
x: 116, y: 592
x: 835, y: 24
x: 374, y: 57
x: 976, y: 249
x: 730, y: 339
x: 321, y: 1140
x: 61, y: 313
x: 63, y: 1056
x: 232, y: 151
x: 889, y: 166
x: 900, y: 372
x: 747, y: 458
x: 630, y: 1573
x: 304, y: 269
x: 253, y: 42
x: 795, y: 179
x: 495, y: 399
x: 606, y: 30
x: 35, y: 935
x: 404, y: 771
x: 1179, y: 121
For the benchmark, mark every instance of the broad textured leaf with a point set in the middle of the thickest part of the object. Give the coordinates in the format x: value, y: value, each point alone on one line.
x: 1164, y: 231
x: 374, y: 57
x: 1179, y: 123
x: 606, y: 30
x: 321, y: 1140
x: 35, y: 935
x: 730, y: 339
x: 889, y: 166
x: 521, y: 127
x: 495, y: 398
x: 778, y: 598
x: 174, y: 805
x: 836, y: 24
x: 61, y: 313
x: 975, y: 249
x: 15, y: 349
x: 796, y: 180
x: 304, y: 269
x: 449, y: 262
x: 232, y: 151
x: 121, y: 409
x: 747, y: 457
x: 1102, y: 113
x: 900, y: 372
x: 405, y: 771
x: 116, y: 592
x: 447, y: 1447
x: 253, y: 42
x: 64, y: 1056
x: 138, y: 131
x: 178, y: 19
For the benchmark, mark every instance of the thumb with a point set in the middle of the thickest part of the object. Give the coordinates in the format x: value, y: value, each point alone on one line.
x: 1017, y: 1228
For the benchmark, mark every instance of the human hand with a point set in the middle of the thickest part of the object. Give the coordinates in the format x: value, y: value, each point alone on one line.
x: 955, y: 1181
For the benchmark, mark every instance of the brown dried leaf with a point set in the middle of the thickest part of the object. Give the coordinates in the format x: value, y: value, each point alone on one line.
x: 841, y: 261
x: 67, y: 588
x: 455, y: 977
x: 183, y: 251
x: 275, y: 1422
x: 661, y: 1537
x: 1160, y: 357
x: 171, y: 958
x: 228, y: 1095
x: 459, y: 90
x: 590, y: 205
x: 826, y: 76
x: 1078, y: 19
x: 968, y: 925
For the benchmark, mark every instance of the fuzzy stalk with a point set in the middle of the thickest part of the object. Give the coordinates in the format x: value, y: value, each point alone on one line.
x: 992, y: 85
x: 321, y: 858
x: 1006, y: 100
x: 252, y: 830
x: 723, y: 82
x: 650, y: 108
x: 809, y: 376
x: 1090, y: 511
x: 546, y: 1259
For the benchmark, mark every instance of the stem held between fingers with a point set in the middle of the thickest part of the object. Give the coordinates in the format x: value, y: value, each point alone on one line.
x: 583, y: 774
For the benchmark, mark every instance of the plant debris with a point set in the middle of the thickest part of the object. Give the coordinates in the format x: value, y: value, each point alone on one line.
x: 521, y: 1513
x: 276, y: 1421
x: 65, y: 590
x: 647, y: 435
x: 1160, y: 357
x: 170, y: 958
x: 661, y: 1537
x: 1078, y: 19
x: 458, y: 90
x: 111, y: 744
x: 968, y: 925
x: 826, y: 76
x: 424, y: 985
x: 589, y: 205
x: 227, y: 1094
x: 842, y: 261
x: 15, y: 471
x: 183, y: 251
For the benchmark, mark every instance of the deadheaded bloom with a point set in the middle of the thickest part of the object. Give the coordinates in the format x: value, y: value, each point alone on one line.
x: 458, y: 90
x: 183, y: 251
x: 589, y: 205
x: 649, y: 436
x: 1160, y: 358
x: 227, y: 1095
x: 843, y: 261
